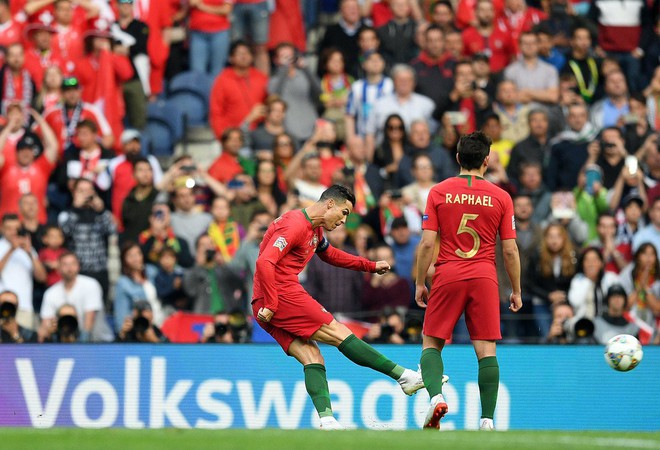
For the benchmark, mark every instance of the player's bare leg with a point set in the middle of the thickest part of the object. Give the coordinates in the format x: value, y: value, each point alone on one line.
x: 363, y: 354
x: 489, y: 381
x: 309, y: 355
x: 432, y: 372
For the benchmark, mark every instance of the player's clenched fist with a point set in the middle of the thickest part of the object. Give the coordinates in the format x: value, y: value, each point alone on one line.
x: 516, y: 302
x: 382, y: 267
x: 421, y: 296
x: 265, y: 314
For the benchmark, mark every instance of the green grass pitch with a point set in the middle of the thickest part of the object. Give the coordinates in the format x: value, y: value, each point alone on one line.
x: 67, y: 439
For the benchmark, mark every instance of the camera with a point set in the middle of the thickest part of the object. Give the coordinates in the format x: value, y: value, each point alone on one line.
x: 235, y: 184
x: 188, y: 168
x: 22, y: 232
x: 67, y: 326
x: 7, y: 310
x: 579, y: 330
x: 396, y: 194
x: 605, y: 145
x: 210, y: 255
x: 220, y: 329
x: 159, y: 214
x: 263, y: 228
x: 140, y: 325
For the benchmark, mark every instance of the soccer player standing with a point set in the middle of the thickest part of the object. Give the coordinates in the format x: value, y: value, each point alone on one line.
x: 468, y: 212
x: 296, y: 321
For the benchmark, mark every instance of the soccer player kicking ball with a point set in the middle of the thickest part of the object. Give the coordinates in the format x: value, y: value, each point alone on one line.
x: 286, y: 311
x: 468, y: 212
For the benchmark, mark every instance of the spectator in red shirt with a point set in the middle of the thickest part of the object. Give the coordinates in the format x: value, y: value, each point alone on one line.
x: 239, y: 92
x: 518, y: 17
x: 70, y: 23
x: 16, y: 83
x: 39, y: 54
x: 121, y: 170
x: 488, y: 38
x: 209, y: 35
x: 11, y: 27
x: 15, y: 131
x: 65, y: 117
x: 228, y: 164
x: 102, y: 72
x: 466, y: 15
x: 31, y: 170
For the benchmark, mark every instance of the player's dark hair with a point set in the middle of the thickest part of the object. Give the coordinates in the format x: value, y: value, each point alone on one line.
x: 596, y: 251
x: 338, y: 193
x: 473, y: 149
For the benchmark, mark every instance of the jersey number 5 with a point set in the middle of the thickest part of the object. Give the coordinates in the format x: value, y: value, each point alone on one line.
x: 463, y: 228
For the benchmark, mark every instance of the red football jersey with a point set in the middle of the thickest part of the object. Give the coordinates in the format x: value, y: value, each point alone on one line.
x: 498, y: 46
x: 468, y: 212
x: 289, y: 244
x: 18, y: 181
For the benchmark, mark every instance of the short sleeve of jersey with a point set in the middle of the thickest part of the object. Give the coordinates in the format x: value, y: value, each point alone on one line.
x: 430, y: 217
x: 508, y: 223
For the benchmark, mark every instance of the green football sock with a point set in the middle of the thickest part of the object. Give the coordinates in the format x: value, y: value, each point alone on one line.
x: 489, y: 381
x: 365, y: 355
x: 432, y: 369
x: 317, y: 388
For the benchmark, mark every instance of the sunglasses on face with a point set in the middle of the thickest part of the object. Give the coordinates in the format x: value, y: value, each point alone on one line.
x: 394, y: 127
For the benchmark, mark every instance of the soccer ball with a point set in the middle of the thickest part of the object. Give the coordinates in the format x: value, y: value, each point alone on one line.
x: 623, y: 352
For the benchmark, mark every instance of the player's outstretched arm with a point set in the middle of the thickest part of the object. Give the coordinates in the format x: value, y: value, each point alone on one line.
x: 424, y: 259
x: 512, y: 265
x: 340, y: 258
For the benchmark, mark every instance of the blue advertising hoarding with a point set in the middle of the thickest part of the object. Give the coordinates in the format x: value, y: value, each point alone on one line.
x: 257, y: 386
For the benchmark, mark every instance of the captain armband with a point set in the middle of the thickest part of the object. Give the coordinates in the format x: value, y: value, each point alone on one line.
x: 323, y: 246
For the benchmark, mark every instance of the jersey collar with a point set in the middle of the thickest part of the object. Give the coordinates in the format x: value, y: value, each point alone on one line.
x: 469, y: 178
x: 306, y: 216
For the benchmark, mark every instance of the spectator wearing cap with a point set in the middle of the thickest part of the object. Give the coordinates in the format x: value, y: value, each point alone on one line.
x: 365, y: 92
x: 40, y: 54
x: 613, y: 321
x: 238, y: 93
x: 16, y: 82
x: 102, y: 72
x: 134, y: 37
x: 30, y: 169
x: 65, y: 117
x: 537, y: 81
x: 122, y: 170
x: 344, y: 35
x: 435, y: 69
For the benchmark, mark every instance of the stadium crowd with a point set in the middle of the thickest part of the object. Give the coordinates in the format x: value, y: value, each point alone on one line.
x: 304, y: 94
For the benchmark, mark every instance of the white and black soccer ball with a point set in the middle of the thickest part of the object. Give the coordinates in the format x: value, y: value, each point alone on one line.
x: 623, y: 352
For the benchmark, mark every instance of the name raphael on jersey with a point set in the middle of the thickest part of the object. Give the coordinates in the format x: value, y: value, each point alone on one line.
x: 469, y: 199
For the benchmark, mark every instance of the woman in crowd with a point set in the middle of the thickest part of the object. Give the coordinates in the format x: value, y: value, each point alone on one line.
x: 134, y: 284
x: 641, y: 280
x: 588, y: 291
x: 549, y: 274
x: 392, y: 149
x: 268, y: 191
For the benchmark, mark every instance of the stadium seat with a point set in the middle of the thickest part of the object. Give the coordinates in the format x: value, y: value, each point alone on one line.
x: 169, y: 115
x: 191, y: 106
x: 191, y: 82
x: 159, y: 139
